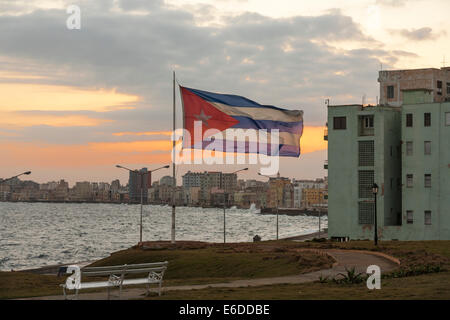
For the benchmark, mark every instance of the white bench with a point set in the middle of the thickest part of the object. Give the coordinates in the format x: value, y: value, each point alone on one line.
x: 116, y: 277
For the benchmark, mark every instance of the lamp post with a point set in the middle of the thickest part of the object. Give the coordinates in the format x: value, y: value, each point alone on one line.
x: 141, y: 174
x: 320, y: 209
x: 375, y: 191
x: 23, y: 173
x: 225, y: 198
x: 276, y: 205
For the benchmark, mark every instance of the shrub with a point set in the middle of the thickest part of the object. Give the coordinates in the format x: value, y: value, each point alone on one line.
x: 350, y: 277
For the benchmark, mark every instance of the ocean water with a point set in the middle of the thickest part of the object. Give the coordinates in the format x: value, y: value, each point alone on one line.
x: 39, y: 234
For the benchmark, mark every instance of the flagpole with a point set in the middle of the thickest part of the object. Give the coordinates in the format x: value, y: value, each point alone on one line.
x: 173, y: 165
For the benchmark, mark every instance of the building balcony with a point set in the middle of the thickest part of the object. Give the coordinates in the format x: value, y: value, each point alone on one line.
x: 325, y: 166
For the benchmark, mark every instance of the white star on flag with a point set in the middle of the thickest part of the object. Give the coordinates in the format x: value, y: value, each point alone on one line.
x: 203, y: 117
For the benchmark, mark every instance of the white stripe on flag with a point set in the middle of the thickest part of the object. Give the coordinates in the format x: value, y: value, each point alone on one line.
x: 261, y: 113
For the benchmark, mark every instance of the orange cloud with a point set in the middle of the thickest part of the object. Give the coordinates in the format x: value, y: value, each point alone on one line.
x: 92, y: 154
x: 26, y: 96
x: 133, y: 146
x: 312, y: 139
x: 19, y: 76
x: 21, y: 120
x: 146, y: 133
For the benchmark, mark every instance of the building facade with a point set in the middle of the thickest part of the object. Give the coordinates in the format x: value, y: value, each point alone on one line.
x: 406, y: 152
x: 426, y: 168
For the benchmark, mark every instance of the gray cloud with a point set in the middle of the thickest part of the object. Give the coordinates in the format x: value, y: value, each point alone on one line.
x: 418, y: 34
x: 391, y: 3
x: 284, y: 62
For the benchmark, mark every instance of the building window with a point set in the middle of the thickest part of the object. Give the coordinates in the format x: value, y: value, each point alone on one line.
x: 366, y: 212
x: 366, y: 125
x: 427, y: 119
x: 366, y: 180
x: 447, y: 118
x: 428, y: 181
x: 427, y: 146
x: 368, y: 122
x: 448, y: 88
x: 409, y: 217
x: 409, y: 120
x: 428, y: 218
x: 390, y: 92
x: 409, y: 148
x: 340, y: 123
x: 439, y: 87
x: 366, y: 153
x: 409, y: 180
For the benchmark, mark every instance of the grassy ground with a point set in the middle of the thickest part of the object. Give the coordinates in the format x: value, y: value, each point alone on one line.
x: 233, y: 261
x: 197, y: 263
x: 429, y: 286
x: 19, y: 284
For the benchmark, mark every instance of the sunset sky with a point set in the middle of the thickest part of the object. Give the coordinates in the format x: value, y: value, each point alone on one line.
x: 74, y: 103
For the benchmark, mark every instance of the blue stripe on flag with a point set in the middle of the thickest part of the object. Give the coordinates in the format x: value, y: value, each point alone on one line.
x: 230, y: 99
x: 249, y: 123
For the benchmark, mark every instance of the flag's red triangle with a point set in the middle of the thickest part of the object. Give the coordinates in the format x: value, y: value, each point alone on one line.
x: 198, y: 109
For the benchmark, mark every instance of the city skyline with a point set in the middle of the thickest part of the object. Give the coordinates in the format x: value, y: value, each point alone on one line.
x: 155, y: 177
x: 198, y: 189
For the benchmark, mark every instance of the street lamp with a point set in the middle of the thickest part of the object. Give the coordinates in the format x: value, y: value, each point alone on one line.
x: 320, y: 209
x: 224, y: 207
x: 375, y: 191
x: 141, y: 174
x: 24, y: 173
x: 276, y: 205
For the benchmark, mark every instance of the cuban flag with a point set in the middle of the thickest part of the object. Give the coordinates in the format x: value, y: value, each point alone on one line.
x: 225, y: 112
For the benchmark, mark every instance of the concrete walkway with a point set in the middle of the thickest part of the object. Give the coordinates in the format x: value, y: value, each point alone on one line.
x: 344, y: 259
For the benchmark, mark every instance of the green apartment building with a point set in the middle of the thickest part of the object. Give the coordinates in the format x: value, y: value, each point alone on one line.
x: 406, y: 151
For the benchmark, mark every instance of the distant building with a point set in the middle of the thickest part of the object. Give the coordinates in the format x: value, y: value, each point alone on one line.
x: 192, y: 196
x: 48, y: 186
x: 300, y: 185
x: 82, y: 191
x: 61, y: 192
x: 115, y: 186
x: 314, y: 198
x: 136, y: 179
x: 393, y: 83
x: 167, y: 180
x: 165, y: 193
x: 208, y: 180
x: 280, y: 193
x: 192, y: 179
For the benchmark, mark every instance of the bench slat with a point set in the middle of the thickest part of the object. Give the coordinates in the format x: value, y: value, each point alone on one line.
x: 120, y: 271
x: 96, y: 284
x: 138, y: 281
x: 135, y: 266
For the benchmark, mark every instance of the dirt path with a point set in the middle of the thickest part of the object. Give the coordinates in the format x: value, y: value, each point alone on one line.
x: 344, y: 259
